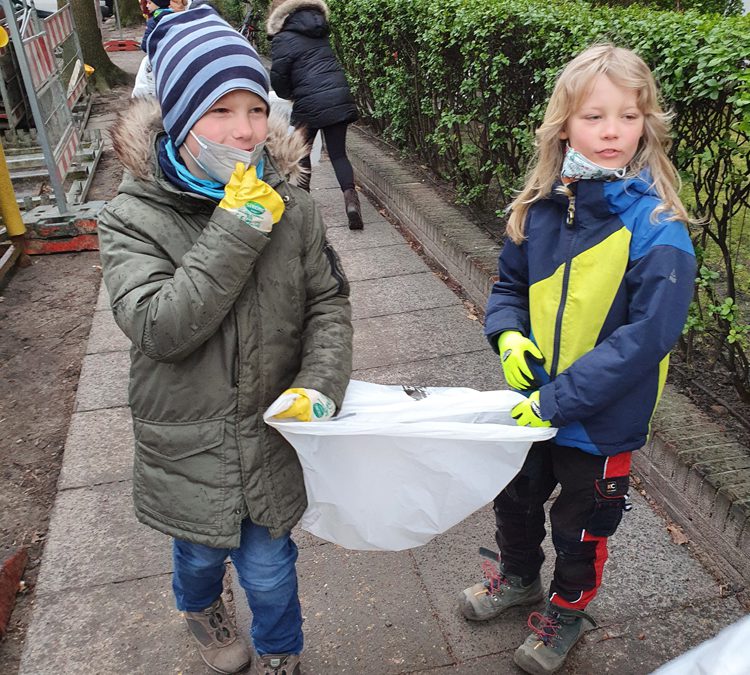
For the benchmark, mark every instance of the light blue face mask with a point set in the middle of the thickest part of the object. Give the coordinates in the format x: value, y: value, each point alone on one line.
x: 578, y: 167
x: 218, y: 160
x: 209, y: 188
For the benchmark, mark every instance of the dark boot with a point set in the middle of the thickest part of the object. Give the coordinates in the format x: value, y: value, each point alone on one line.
x: 555, y: 633
x: 353, y: 212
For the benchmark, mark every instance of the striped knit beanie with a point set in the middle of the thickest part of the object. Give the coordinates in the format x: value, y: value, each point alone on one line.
x: 196, y: 58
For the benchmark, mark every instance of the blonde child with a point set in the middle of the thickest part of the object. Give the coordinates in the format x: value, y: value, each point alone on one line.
x: 593, y: 291
x: 219, y: 272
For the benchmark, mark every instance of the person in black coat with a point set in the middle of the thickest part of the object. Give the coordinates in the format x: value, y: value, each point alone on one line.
x: 304, y: 70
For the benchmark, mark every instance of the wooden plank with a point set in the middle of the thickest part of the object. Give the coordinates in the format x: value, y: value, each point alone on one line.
x: 8, y: 258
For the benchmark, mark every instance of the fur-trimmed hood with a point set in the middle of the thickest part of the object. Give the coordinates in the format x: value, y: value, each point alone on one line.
x: 282, y: 9
x: 135, y: 130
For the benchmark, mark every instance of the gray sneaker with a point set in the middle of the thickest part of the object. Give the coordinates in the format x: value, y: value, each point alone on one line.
x: 276, y: 664
x: 216, y: 635
x: 555, y: 632
x: 499, y: 591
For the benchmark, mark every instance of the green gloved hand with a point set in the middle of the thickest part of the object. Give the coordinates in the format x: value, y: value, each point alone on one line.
x: 251, y: 200
x: 309, y: 406
x: 515, y: 353
x: 528, y: 413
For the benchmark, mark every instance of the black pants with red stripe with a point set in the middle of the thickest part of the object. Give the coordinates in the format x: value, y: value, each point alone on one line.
x: 586, y: 512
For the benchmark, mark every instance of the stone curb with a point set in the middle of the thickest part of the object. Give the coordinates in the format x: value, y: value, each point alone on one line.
x: 696, y: 473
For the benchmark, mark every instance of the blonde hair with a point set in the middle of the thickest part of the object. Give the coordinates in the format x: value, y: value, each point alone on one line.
x: 625, y: 69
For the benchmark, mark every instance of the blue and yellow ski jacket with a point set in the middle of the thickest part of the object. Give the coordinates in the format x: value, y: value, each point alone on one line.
x: 604, y: 293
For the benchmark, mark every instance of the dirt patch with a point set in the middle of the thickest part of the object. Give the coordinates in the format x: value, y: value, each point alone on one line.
x: 45, y: 319
x: 45, y: 314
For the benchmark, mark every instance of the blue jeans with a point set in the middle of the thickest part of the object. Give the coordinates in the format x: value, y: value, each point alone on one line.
x: 266, y: 572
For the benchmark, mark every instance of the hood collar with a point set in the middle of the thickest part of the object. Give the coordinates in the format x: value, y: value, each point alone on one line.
x: 135, y: 130
x: 281, y: 13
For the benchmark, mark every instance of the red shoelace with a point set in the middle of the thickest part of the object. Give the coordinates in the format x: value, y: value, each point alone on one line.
x: 495, y: 579
x: 544, y: 626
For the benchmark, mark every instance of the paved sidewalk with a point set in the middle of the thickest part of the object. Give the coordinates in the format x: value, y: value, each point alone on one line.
x: 103, y: 599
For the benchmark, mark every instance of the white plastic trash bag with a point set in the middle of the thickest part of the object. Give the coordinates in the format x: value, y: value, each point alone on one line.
x: 400, y: 465
x: 283, y: 108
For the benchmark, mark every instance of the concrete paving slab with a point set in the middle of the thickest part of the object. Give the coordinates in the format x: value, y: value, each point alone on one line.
x: 403, y: 293
x: 94, y: 539
x: 631, y: 648
x: 384, y: 261
x: 373, y: 235
x: 106, y: 335
x: 103, y: 382
x: 102, y: 300
x: 665, y: 577
x: 500, y: 663
x: 99, y: 448
x: 331, y: 205
x: 450, y: 563
x: 641, y: 645
x: 402, y: 338
x: 356, y: 623
x: 478, y: 369
x: 130, y: 628
x: 323, y: 178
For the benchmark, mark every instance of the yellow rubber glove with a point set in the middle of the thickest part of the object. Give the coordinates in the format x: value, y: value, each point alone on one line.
x: 515, y: 353
x: 528, y: 413
x: 251, y: 200
x: 309, y: 406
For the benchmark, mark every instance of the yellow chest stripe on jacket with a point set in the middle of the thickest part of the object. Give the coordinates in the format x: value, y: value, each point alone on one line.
x: 593, y: 279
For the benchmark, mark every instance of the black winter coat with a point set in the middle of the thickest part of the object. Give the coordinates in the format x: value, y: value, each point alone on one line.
x: 304, y: 68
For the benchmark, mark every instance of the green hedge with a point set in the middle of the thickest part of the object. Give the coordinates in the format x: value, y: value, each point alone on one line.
x: 464, y: 83
x: 723, y: 7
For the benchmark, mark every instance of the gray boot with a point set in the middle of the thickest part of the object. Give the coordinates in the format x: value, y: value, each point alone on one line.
x: 498, y: 592
x: 216, y: 635
x: 555, y: 633
x: 276, y: 664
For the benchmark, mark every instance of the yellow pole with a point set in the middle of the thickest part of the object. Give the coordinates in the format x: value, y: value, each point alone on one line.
x: 8, y: 206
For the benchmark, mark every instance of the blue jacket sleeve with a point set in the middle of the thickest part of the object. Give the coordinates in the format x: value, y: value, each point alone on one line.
x: 508, y: 304
x: 660, y: 287
x: 150, y: 25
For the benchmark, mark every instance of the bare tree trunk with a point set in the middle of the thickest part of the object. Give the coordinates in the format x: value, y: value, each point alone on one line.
x: 130, y: 12
x: 106, y: 74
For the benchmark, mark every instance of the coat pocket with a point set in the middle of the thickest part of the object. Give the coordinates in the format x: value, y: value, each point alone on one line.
x: 180, y: 470
x: 610, y: 502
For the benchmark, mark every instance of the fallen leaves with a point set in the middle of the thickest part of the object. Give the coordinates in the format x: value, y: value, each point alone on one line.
x: 677, y: 534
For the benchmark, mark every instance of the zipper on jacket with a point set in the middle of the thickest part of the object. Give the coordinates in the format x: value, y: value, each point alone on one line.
x: 570, y: 225
x: 570, y: 219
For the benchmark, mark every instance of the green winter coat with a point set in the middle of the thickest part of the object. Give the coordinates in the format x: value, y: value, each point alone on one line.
x: 222, y: 319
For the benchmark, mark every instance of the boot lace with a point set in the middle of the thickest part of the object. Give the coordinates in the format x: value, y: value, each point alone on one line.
x: 495, y: 580
x: 545, y: 626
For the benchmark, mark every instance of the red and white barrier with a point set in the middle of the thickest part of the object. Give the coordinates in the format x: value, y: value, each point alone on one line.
x: 40, y: 58
x: 59, y: 26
